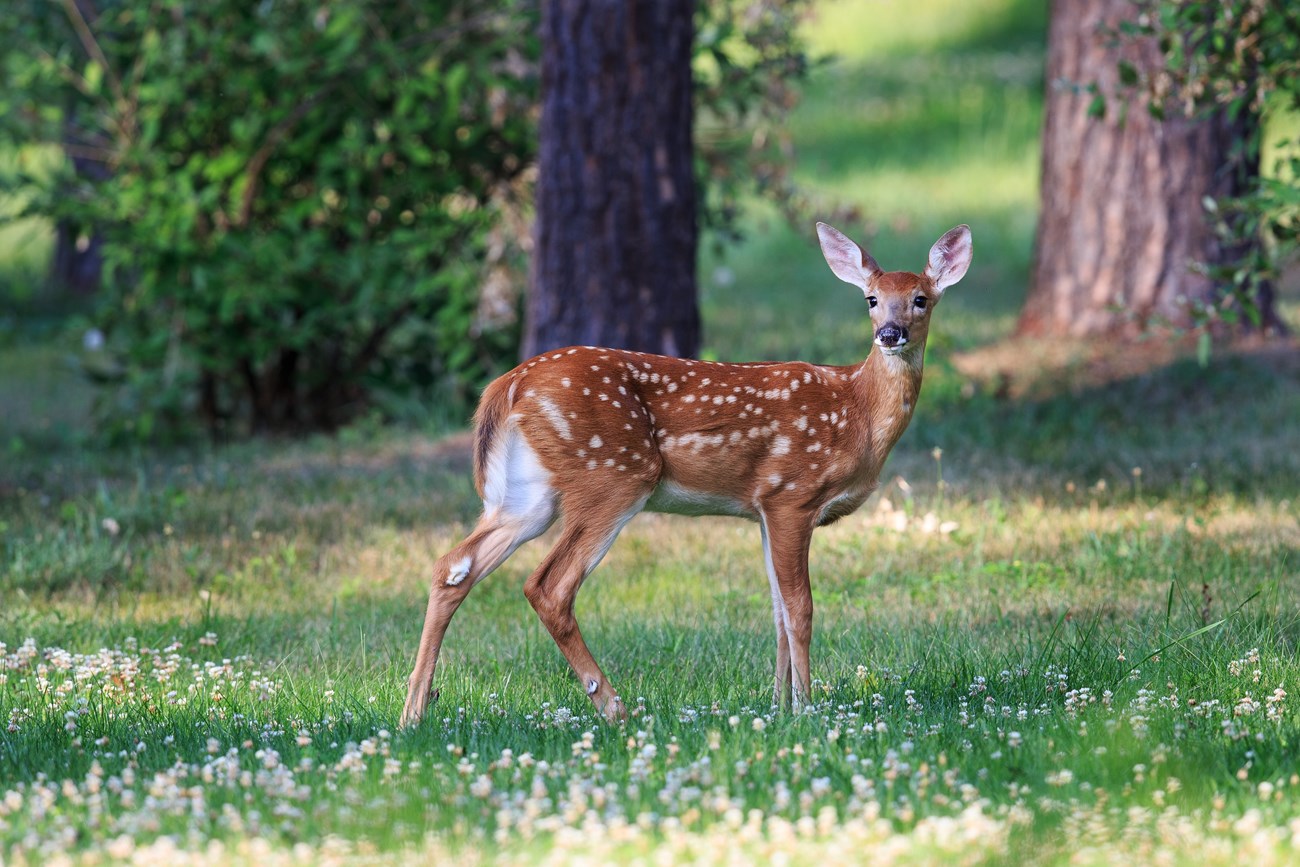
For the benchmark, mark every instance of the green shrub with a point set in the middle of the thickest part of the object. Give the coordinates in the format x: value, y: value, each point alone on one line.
x: 296, y: 198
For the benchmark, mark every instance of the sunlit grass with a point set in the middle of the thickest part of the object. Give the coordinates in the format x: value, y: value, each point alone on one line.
x: 987, y: 664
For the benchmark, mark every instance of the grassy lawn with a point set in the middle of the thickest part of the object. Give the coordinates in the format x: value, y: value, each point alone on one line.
x: 1063, y: 631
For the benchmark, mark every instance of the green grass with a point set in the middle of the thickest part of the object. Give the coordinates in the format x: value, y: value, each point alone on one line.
x: 916, y: 140
x: 1025, y: 651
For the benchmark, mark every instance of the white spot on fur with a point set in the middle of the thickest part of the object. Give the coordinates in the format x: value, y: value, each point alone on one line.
x: 556, y: 417
x: 781, y: 446
x: 596, y: 442
x: 459, y: 572
x: 815, y: 447
x: 774, y: 479
x: 801, y: 422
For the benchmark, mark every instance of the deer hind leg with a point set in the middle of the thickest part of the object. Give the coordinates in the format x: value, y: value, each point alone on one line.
x: 494, y: 539
x: 519, y: 505
x: 591, y: 524
x: 781, y: 689
x: 787, y: 546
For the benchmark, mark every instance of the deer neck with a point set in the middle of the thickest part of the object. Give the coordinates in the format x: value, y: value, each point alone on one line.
x: 887, y: 387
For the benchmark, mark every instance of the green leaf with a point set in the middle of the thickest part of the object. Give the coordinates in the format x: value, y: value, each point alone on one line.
x: 94, y: 76
x: 1097, y: 107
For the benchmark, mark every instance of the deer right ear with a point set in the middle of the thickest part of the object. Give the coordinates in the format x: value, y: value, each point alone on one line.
x: 848, y: 261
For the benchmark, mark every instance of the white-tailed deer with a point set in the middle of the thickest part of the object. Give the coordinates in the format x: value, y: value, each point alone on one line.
x: 597, y: 435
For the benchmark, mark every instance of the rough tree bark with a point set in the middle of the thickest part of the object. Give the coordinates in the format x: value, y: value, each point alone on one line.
x: 1122, y: 223
x: 616, y: 236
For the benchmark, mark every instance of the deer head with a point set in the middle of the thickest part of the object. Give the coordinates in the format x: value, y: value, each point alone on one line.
x: 900, y: 301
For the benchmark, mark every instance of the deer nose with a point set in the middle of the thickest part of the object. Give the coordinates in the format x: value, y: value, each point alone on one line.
x: 891, y: 335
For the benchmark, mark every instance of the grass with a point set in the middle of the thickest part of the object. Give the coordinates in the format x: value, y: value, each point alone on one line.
x: 1065, y: 636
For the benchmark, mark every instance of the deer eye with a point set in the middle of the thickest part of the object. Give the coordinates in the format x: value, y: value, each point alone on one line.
x: 920, y: 302
x: 871, y: 300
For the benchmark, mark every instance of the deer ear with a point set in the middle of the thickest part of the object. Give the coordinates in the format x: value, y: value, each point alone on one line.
x: 949, y: 257
x: 847, y: 259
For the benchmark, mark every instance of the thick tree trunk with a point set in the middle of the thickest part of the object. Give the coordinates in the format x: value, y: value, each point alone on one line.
x: 1123, y: 225
x: 614, y: 262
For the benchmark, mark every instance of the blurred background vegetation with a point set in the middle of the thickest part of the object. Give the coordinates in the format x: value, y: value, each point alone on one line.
x: 319, y: 215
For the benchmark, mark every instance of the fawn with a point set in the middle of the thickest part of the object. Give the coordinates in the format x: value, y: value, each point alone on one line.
x: 600, y: 434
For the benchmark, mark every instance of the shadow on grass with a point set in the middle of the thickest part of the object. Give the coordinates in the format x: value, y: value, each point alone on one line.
x: 1232, y: 427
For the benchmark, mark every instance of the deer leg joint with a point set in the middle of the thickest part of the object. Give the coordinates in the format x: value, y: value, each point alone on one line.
x: 459, y: 572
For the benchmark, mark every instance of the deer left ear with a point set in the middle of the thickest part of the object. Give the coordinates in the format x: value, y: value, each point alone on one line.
x: 949, y: 257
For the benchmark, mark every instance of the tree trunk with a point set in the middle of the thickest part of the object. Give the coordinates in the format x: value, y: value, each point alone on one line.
x: 1123, y: 227
x: 78, y: 263
x: 614, y: 261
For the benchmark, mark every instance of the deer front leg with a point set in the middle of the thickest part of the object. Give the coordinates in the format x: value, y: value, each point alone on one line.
x: 787, y: 539
x: 781, y: 688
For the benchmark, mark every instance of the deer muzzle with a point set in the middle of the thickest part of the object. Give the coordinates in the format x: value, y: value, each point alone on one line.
x: 891, y: 336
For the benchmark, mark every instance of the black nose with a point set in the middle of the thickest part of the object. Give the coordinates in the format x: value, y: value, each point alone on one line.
x: 891, y: 335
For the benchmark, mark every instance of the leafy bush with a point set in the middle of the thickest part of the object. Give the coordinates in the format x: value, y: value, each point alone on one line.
x: 296, y: 193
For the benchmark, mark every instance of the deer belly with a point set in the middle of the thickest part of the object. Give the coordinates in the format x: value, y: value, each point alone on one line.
x: 677, y: 499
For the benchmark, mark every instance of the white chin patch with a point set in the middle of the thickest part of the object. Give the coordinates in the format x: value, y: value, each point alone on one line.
x: 892, y: 350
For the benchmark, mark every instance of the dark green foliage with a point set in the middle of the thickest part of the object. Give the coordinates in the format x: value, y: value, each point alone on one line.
x: 296, y: 195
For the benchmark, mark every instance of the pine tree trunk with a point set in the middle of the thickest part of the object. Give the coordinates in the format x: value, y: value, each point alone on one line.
x: 616, y: 236
x: 1123, y: 225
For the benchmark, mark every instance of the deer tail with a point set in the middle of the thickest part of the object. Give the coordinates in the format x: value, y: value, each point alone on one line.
x: 493, y: 408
